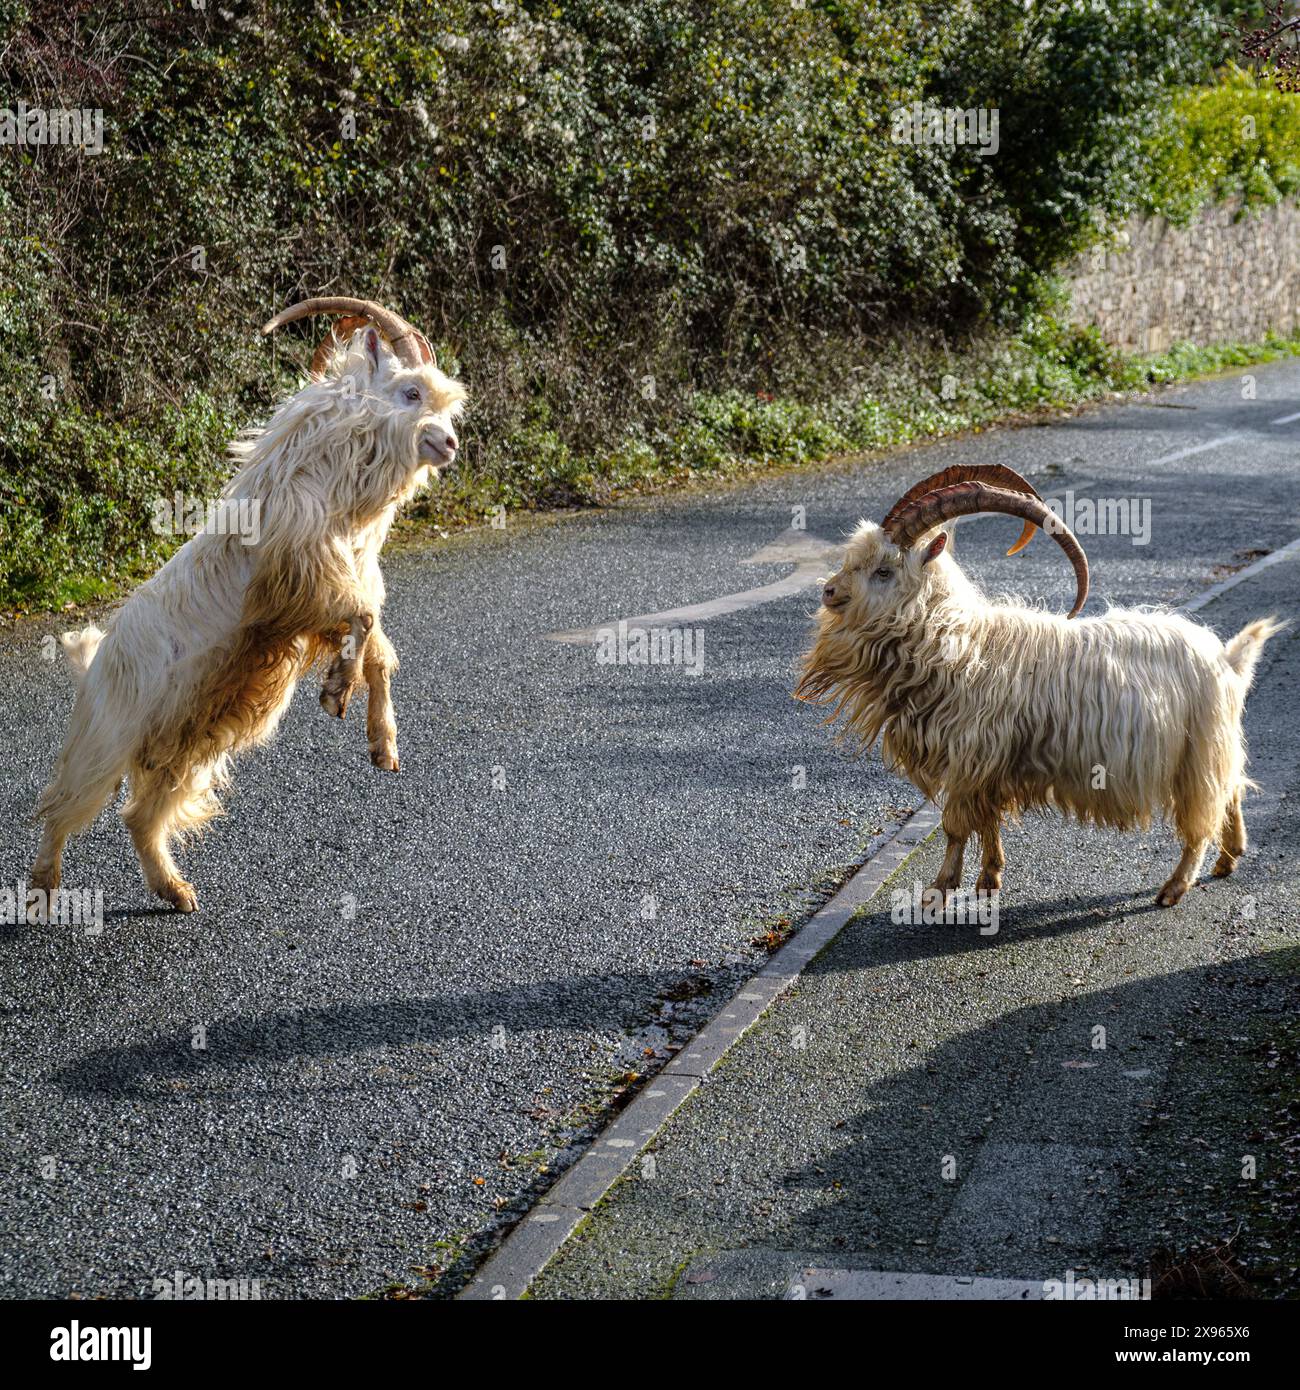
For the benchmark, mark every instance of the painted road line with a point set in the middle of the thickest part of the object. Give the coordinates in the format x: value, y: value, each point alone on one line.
x: 1195, y: 449
x: 541, y: 1234
x: 804, y: 1277
x: 866, y: 1285
x: 1286, y: 419
x: 809, y: 554
x: 875, y: 1286
x: 1275, y: 557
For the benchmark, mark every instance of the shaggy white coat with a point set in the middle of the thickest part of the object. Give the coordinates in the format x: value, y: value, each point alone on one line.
x: 997, y: 708
x: 201, y: 661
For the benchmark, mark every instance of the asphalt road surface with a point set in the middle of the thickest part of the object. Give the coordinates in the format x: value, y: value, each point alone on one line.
x: 406, y: 1000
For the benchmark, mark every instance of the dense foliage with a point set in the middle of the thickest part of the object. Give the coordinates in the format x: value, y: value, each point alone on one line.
x: 1239, y: 139
x: 606, y: 213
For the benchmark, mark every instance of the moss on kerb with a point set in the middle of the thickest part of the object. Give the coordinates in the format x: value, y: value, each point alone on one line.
x: 670, y: 1284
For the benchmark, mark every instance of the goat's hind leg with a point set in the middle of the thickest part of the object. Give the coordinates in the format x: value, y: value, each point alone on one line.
x: 1232, y: 839
x: 994, y: 861
x: 68, y: 805
x: 1197, y: 819
x: 161, y: 806
x: 1184, y: 874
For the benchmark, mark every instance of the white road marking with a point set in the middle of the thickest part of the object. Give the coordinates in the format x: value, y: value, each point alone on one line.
x: 869, y: 1285
x: 1195, y: 449
x: 1275, y: 557
x: 1286, y: 419
x: 810, y: 556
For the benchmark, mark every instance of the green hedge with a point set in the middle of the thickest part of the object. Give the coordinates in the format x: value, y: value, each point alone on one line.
x: 1238, y: 139
x: 701, y: 195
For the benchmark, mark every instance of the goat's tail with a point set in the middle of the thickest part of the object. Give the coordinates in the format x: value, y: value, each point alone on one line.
x: 79, y: 649
x: 1242, y: 651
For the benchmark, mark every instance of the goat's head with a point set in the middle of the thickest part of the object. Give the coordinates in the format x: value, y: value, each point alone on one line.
x: 385, y: 411
x: 889, y: 569
x: 878, y: 583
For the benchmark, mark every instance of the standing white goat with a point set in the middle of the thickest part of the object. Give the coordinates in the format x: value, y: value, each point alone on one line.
x: 1000, y: 708
x: 201, y: 661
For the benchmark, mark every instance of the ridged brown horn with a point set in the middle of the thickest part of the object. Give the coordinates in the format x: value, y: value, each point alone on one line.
x: 995, y: 474
x: 967, y: 498
x: 409, y: 344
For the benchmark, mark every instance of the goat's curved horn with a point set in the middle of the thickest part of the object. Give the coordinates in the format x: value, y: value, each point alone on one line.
x: 995, y: 474
x: 408, y: 343
x: 968, y: 498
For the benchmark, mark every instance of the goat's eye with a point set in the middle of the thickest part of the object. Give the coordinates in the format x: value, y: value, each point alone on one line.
x: 412, y: 393
x: 884, y: 572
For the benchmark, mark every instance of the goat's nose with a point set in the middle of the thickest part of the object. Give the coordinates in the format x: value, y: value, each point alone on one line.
x: 828, y: 592
x: 451, y: 441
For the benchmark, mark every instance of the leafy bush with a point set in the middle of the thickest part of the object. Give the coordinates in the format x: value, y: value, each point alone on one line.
x: 1238, y: 139
x: 604, y: 212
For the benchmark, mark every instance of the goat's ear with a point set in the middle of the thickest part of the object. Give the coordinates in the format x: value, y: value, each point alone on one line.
x: 936, y: 548
x: 374, y: 349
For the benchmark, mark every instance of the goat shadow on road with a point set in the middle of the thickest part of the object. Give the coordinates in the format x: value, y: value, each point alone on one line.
x: 1034, y: 921
x: 142, y: 1070
x: 251, y: 1040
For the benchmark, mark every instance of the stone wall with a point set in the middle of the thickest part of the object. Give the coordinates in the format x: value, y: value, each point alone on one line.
x: 1217, y: 280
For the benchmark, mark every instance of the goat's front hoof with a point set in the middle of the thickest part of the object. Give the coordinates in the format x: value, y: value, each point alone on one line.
x: 384, y: 755
x: 988, y: 883
x: 935, y: 898
x: 1223, y: 866
x: 181, y: 895
x: 334, y: 701
x: 1171, y: 893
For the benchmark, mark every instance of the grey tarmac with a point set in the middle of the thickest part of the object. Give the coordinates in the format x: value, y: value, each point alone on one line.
x: 406, y: 1002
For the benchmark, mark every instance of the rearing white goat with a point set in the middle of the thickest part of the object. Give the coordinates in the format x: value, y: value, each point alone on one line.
x: 200, y: 662
x: 1000, y: 708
